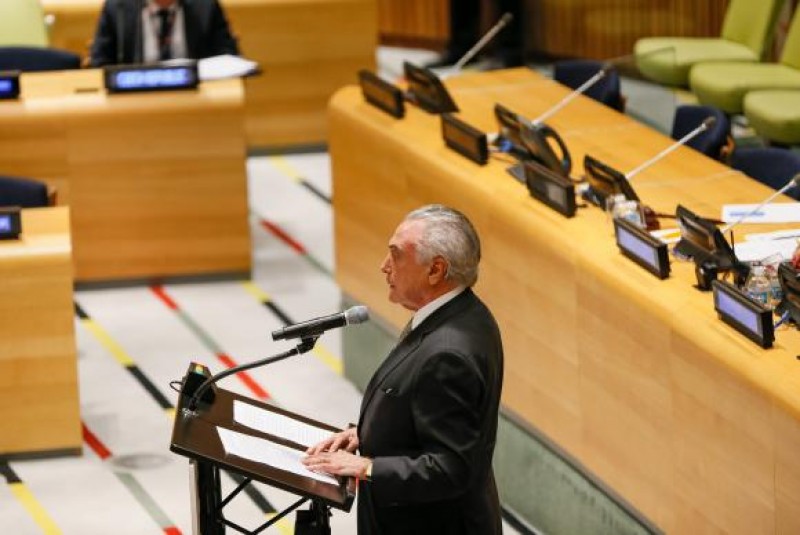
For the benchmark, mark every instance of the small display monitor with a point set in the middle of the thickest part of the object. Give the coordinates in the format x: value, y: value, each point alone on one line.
x: 381, y: 94
x: 744, y: 314
x: 138, y: 78
x: 605, y: 181
x: 550, y: 188
x: 645, y: 250
x: 465, y: 139
x: 426, y: 90
x: 9, y: 85
x: 10, y: 223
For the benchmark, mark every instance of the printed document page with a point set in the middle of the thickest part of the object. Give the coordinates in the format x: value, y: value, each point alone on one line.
x: 269, y: 453
x: 278, y: 425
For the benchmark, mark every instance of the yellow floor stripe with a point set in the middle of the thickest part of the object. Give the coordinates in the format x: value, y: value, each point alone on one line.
x: 103, y: 337
x: 283, y: 165
x: 36, y: 511
x: 283, y: 525
x: 328, y: 359
x: 255, y: 291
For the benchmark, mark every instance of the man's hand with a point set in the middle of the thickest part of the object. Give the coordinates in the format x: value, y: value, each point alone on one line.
x: 344, y: 440
x: 338, y: 463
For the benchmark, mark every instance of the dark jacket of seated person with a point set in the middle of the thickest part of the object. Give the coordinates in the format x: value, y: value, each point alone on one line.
x: 129, y: 31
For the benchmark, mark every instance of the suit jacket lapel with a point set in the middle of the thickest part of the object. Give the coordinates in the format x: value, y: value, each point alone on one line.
x: 191, y: 21
x: 412, y: 342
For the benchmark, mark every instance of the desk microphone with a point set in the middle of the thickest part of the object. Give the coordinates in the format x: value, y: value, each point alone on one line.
x: 585, y: 86
x: 709, y: 121
x: 317, y: 326
x: 504, y: 21
x: 794, y: 181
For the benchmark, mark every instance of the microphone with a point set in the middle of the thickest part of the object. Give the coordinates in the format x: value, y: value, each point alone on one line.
x: 708, y: 122
x: 317, y: 326
x: 504, y: 21
x: 794, y: 181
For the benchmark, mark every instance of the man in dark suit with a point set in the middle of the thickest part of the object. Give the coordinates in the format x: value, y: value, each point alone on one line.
x: 145, y: 31
x: 428, y: 419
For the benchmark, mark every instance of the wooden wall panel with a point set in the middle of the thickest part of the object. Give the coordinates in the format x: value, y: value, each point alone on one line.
x: 603, y: 29
x: 422, y: 23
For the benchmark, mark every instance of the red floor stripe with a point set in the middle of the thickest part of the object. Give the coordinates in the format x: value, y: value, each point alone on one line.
x: 94, y: 443
x: 244, y: 377
x: 159, y: 291
x: 172, y: 530
x: 283, y: 236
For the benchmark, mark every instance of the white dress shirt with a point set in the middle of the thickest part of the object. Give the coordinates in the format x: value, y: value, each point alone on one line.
x: 151, y: 26
x: 425, y: 311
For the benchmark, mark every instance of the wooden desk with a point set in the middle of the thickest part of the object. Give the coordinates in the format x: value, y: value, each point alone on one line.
x: 306, y: 48
x: 633, y: 376
x: 38, y: 356
x: 156, y: 181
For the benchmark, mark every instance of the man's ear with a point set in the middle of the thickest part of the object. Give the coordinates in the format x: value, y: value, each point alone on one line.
x: 437, y: 271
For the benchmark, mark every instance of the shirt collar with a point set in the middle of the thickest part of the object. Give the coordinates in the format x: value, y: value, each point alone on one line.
x: 425, y: 311
x: 153, y: 8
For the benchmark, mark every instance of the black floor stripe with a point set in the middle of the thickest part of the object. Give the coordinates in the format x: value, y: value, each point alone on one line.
x: 278, y: 312
x: 80, y: 312
x: 313, y: 189
x: 148, y: 385
x: 254, y: 494
x: 512, y: 520
x: 8, y: 473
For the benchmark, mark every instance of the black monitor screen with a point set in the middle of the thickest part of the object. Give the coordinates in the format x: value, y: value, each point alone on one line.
x: 702, y: 240
x: 605, y: 180
x: 426, y: 90
x: 381, y: 94
x: 510, y: 126
x: 790, y: 286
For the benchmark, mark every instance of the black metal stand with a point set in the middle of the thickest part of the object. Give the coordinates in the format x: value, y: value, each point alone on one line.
x: 212, y: 521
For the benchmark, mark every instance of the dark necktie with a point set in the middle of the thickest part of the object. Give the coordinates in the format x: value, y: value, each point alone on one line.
x: 164, y: 34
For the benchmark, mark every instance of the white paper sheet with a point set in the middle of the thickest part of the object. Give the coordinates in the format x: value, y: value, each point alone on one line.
x: 269, y: 453
x: 754, y: 251
x: 278, y: 425
x: 225, y: 66
x: 771, y: 213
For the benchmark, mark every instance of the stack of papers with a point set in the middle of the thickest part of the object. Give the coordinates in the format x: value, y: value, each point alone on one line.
x: 225, y: 66
x: 269, y: 453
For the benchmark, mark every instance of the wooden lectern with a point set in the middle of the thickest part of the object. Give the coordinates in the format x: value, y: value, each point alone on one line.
x: 195, y: 435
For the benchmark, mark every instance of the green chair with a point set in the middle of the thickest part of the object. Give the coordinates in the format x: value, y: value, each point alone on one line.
x: 774, y: 115
x: 22, y: 23
x: 725, y: 84
x: 746, y: 34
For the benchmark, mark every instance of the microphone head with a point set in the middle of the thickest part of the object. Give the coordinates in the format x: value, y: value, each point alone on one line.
x: 506, y: 18
x: 357, y: 314
x: 709, y: 121
x: 795, y: 181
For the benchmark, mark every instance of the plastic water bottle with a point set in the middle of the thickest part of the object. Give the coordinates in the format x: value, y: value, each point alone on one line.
x: 758, y: 286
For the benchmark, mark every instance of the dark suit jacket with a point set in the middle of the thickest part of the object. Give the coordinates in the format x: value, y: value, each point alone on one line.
x: 429, y: 421
x: 207, y: 32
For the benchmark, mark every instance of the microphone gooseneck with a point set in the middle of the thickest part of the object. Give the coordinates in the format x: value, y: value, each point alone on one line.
x: 499, y: 25
x: 682, y: 141
x: 599, y: 75
x: 794, y: 181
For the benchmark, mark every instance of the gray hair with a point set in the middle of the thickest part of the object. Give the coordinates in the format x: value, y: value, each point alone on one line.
x: 449, y: 234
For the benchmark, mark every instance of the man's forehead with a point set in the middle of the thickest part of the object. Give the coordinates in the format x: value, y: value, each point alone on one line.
x: 406, y: 233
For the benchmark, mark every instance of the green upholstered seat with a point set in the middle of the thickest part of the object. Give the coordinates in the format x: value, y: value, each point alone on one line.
x: 725, y: 84
x: 22, y: 23
x: 774, y: 115
x: 746, y: 33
